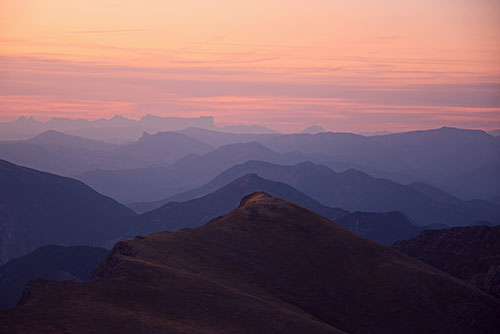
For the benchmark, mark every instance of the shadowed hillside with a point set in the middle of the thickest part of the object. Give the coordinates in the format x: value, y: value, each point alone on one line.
x: 268, y: 266
x: 74, y: 263
x: 38, y: 208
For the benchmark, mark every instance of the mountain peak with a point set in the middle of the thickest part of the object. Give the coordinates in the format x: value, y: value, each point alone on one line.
x: 255, y: 197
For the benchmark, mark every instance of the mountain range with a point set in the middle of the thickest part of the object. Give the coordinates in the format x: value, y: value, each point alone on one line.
x: 268, y: 266
x: 460, y: 161
x: 385, y: 228
x: 38, y: 208
x: 117, y: 129
x: 68, y: 155
x: 354, y: 191
x: 158, y: 182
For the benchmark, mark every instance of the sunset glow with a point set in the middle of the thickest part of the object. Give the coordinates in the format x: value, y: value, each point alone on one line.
x: 346, y: 65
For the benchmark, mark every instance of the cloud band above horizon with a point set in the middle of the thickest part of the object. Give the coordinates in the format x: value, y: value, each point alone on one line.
x: 348, y: 66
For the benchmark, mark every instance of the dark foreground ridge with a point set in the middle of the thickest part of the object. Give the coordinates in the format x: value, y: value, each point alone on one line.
x: 270, y: 266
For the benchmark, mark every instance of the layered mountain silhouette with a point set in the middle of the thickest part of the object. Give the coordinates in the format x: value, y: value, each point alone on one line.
x: 463, y: 162
x: 178, y: 215
x: 355, y: 191
x: 158, y: 182
x: 482, y: 182
x: 117, y: 129
x: 470, y: 253
x: 162, y: 148
x: 218, y: 138
x: 56, y: 152
x: 69, y: 155
x: 59, y: 139
x: 75, y: 263
x: 433, y: 155
x: 385, y: 228
x: 38, y: 208
x: 268, y: 266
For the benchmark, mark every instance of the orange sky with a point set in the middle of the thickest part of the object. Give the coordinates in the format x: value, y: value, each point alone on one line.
x: 346, y: 65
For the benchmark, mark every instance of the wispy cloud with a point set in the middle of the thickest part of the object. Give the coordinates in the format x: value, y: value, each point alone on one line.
x: 282, y: 98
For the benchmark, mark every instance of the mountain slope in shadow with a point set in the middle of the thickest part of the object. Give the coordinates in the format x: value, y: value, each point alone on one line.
x: 74, y: 263
x: 38, y: 208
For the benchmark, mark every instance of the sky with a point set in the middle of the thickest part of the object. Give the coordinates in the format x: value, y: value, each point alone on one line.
x: 356, y: 66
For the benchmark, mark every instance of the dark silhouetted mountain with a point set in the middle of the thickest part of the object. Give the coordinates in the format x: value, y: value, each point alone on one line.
x: 385, y: 228
x: 157, y: 182
x: 218, y: 138
x: 471, y: 253
x: 56, y: 152
x: 270, y: 266
x: 59, y: 139
x: 440, y: 153
x: 355, y: 191
x: 434, y: 193
x: 68, y: 155
x: 177, y: 215
x: 482, y: 182
x: 161, y: 148
x: 247, y: 129
x: 38, y: 208
x: 306, y: 177
x: 152, y: 124
x: 117, y: 129
x: 74, y: 263
x: 433, y: 155
x: 326, y: 145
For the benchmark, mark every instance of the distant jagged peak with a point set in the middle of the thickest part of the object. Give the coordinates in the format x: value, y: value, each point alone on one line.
x: 24, y: 119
